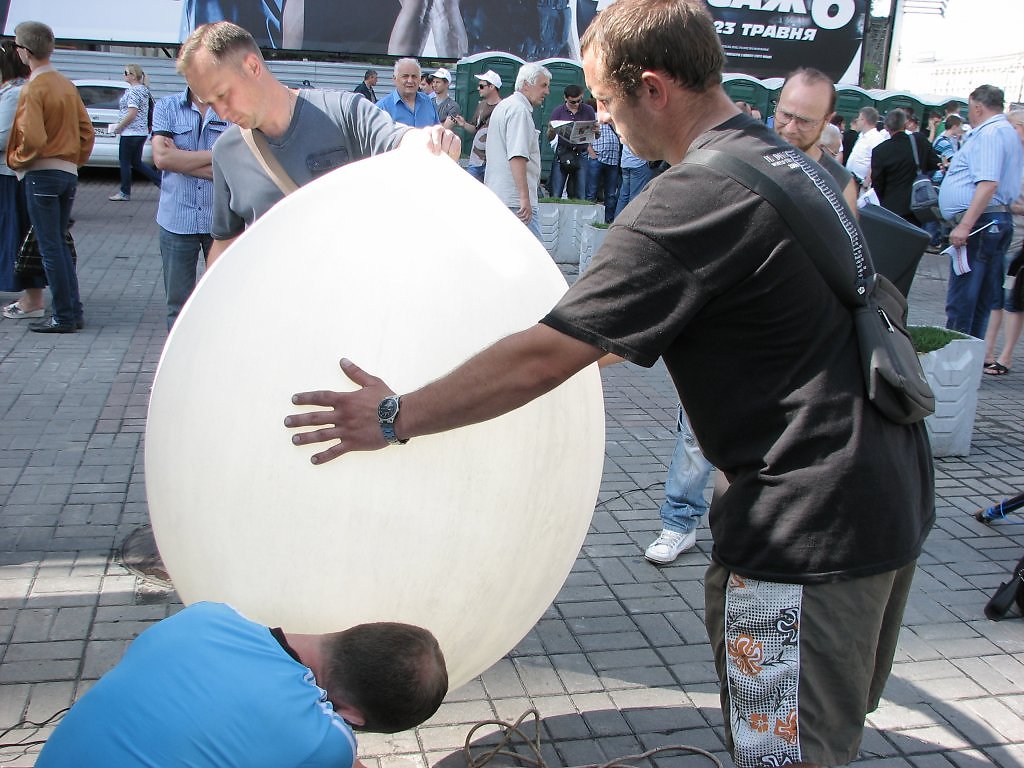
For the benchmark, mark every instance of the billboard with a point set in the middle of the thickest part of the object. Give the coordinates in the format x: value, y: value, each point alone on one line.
x: 762, y: 38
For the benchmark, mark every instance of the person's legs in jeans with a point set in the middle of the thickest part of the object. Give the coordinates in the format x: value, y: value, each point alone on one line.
x: 592, y: 166
x: 477, y: 172
x: 611, y: 176
x: 49, y: 196
x: 573, y: 179
x: 971, y: 296
x: 684, y: 505
x: 556, y: 179
x: 180, y: 256
x: 534, y: 224
x: 633, y: 182
x: 138, y: 143
x: 124, y: 161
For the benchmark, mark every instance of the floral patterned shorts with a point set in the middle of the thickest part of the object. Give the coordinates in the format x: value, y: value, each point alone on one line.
x: 801, y: 665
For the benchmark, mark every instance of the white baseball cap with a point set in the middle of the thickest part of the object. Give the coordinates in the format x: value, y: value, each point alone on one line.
x: 492, y: 77
x: 444, y: 74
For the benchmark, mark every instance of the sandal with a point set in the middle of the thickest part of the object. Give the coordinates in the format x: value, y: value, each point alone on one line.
x: 995, y: 369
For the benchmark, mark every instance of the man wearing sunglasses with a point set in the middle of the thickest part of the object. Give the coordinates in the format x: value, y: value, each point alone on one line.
x: 489, y: 89
x: 568, y: 167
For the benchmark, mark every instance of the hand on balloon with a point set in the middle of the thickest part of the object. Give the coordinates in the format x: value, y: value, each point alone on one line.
x: 436, y: 138
x: 351, y: 417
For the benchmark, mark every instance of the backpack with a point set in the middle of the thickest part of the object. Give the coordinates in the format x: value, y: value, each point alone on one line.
x: 924, y: 198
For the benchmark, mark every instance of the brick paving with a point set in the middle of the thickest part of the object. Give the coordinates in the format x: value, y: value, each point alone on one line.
x: 618, y: 664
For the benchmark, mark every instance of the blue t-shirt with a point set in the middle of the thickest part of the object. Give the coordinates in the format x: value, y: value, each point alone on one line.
x: 206, y: 687
x: 424, y: 116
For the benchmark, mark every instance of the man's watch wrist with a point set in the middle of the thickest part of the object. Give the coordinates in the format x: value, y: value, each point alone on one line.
x: 387, y: 412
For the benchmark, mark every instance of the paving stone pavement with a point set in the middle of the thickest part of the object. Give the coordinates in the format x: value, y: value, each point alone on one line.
x: 618, y: 664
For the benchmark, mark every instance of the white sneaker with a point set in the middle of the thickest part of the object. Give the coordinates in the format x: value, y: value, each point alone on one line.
x: 670, y: 545
x: 119, y: 197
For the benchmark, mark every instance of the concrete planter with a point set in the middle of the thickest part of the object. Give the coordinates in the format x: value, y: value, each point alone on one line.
x: 954, y: 373
x: 591, y: 238
x: 561, y: 226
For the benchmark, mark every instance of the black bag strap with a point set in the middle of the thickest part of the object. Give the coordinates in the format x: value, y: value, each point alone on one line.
x: 853, y: 287
x: 913, y: 148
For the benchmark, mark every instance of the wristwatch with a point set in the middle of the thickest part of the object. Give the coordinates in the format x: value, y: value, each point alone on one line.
x: 387, y: 412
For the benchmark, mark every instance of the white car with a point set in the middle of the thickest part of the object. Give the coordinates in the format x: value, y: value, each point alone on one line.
x: 101, y: 97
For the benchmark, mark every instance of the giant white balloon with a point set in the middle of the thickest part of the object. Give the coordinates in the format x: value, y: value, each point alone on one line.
x: 469, y: 533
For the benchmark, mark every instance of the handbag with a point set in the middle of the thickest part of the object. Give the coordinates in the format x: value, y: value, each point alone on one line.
x: 924, y: 198
x: 893, y: 376
x: 569, y: 160
x: 28, y: 262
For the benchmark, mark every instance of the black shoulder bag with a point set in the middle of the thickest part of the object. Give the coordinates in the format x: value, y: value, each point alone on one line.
x: 924, y: 200
x: 893, y: 376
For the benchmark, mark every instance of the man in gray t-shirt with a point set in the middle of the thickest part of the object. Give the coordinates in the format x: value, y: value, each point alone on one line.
x: 308, y: 132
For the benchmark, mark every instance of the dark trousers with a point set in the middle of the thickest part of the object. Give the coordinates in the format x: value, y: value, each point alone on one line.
x: 129, y: 156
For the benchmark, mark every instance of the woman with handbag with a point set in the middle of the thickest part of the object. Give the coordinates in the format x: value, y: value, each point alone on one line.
x: 133, y: 126
x: 13, y: 216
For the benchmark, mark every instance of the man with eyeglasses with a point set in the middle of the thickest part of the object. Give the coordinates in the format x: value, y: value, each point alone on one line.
x: 568, y: 166
x: 806, y: 105
x: 51, y: 137
x: 489, y: 89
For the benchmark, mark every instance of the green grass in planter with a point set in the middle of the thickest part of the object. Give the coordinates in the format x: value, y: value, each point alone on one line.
x: 928, y: 338
x: 563, y: 201
x: 599, y: 225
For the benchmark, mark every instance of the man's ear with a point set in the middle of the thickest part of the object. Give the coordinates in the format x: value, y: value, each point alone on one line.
x: 352, y: 715
x: 251, y: 64
x: 656, y: 86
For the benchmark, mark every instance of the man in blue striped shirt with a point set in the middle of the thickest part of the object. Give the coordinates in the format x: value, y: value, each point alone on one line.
x: 184, y: 131
x: 984, y: 177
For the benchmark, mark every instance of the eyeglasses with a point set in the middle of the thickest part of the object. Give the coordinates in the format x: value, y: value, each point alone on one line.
x: 126, y: 73
x: 23, y: 47
x: 784, y: 117
x: 574, y: 101
x: 481, y: 86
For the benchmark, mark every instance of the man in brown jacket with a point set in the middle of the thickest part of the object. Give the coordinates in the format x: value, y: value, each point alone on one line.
x: 50, y: 138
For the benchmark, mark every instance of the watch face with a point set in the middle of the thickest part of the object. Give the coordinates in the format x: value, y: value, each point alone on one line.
x: 388, y: 409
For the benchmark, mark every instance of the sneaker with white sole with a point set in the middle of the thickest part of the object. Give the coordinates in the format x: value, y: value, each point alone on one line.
x: 670, y: 545
x: 119, y: 197
x: 15, y: 312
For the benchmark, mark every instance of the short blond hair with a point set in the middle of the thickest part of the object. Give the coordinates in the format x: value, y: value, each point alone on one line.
x: 223, y: 40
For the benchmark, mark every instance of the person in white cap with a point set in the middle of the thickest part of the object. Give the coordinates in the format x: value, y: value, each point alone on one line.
x: 489, y: 88
x: 447, y: 108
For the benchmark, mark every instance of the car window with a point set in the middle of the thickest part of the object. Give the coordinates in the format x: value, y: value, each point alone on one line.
x: 100, y: 96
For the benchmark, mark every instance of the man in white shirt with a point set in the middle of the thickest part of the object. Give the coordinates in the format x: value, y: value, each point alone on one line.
x: 859, y: 163
x: 513, y: 148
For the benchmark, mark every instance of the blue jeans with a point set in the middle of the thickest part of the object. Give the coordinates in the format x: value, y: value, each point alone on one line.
x: 129, y: 156
x: 477, y: 172
x: 688, y: 476
x: 534, y: 225
x: 971, y: 296
x: 574, y: 184
x: 180, y: 256
x: 633, y: 182
x: 603, y: 176
x: 49, y: 196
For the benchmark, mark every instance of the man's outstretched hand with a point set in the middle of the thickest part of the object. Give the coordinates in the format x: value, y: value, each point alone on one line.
x: 351, y: 417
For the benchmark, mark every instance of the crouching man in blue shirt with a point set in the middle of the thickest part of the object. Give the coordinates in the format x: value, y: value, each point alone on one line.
x: 209, y: 687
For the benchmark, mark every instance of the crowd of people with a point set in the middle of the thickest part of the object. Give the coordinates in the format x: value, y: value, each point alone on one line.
x: 693, y: 279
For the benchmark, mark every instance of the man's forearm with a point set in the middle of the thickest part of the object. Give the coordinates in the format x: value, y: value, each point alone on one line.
x: 168, y: 157
x: 518, y: 168
x: 500, y: 379
x: 216, y: 249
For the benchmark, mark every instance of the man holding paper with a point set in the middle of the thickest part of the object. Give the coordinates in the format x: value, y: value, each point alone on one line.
x: 984, y: 177
x: 568, y: 166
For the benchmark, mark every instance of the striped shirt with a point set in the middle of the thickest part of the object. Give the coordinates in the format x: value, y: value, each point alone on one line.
x: 990, y: 152
x: 607, y: 146
x: 186, y: 202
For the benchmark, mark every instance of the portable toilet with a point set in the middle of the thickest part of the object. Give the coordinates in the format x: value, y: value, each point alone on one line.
x: 749, y: 89
x: 851, y: 99
x: 887, y: 101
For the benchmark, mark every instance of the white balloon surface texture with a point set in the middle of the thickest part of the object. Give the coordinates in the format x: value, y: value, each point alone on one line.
x: 470, y: 533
